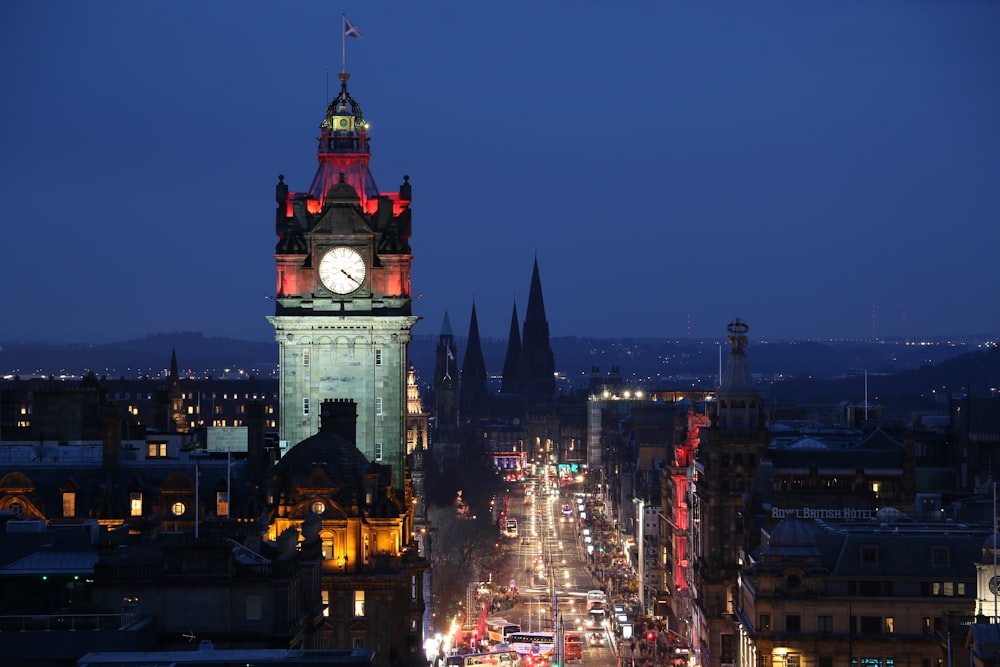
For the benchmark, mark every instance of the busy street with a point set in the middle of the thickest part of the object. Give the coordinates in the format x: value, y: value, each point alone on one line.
x: 564, y: 574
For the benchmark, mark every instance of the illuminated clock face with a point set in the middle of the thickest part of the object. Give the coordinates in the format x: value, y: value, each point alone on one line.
x: 342, y: 270
x: 995, y: 585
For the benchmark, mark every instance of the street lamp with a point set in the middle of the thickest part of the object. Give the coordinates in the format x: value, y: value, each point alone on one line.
x: 642, y: 553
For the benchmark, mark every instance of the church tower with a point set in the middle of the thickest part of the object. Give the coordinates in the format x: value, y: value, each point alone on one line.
x: 446, y: 377
x: 474, y: 390
x: 538, y: 365
x: 343, y: 317
x: 511, y: 381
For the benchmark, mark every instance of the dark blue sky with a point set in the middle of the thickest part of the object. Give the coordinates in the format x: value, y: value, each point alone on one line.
x: 820, y: 169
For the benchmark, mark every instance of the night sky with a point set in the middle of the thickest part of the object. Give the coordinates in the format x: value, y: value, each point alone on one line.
x: 823, y: 169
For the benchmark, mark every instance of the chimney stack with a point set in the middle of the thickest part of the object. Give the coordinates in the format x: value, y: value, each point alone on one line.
x: 340, y: 416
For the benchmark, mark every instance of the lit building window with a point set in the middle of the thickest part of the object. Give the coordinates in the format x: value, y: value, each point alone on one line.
x: 221, y: 503
x: 69, y: 503
x: 305, y: 406
x: 326, y: 602
x: 177, y: 508
x: 378, y: 356
x: 359, y: 603
x: 305, y: 357
x: 135, y: 504
x: 378, y: 406
x: 319, y: 507
x: 378, y: 451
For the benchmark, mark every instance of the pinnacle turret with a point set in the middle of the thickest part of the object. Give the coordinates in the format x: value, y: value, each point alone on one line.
x: 473, y: 392
x: 737, y: 375
x: 739, y: 402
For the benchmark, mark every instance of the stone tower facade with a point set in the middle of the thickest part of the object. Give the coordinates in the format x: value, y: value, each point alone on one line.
x: 343, y: 317
x: 730, y: 452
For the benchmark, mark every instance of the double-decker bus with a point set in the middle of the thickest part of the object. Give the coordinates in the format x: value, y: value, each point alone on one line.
x: 536, y: 647
x: 573, y: 644
x: 498, y: 629
x: 492, y: 659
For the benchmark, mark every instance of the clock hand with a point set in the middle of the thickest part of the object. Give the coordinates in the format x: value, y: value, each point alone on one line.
x: 349, y: 276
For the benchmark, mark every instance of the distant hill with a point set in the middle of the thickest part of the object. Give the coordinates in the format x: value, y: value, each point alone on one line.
x: 788, y: 371
x: 143, y: 356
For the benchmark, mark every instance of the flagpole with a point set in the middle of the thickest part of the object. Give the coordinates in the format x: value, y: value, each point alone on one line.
x: 343, y: 44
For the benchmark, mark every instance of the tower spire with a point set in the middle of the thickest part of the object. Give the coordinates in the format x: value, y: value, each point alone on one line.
x: 343, y: 149
x: 473, y: 394
x: 538, y: 364
x: 446, y: 377
x: 511, y: 382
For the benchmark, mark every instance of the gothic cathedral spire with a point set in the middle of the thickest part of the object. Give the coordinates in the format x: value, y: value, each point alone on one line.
x: 474, y: 392
x: 446, y: 379
x: 511, y: 381
x: 538, y: 364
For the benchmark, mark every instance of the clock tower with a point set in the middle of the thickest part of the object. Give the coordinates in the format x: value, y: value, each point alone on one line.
x: 988, y: 581
x: 343, y: 315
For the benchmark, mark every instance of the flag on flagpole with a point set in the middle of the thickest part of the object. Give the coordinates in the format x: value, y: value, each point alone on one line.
x: 350, y: 30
